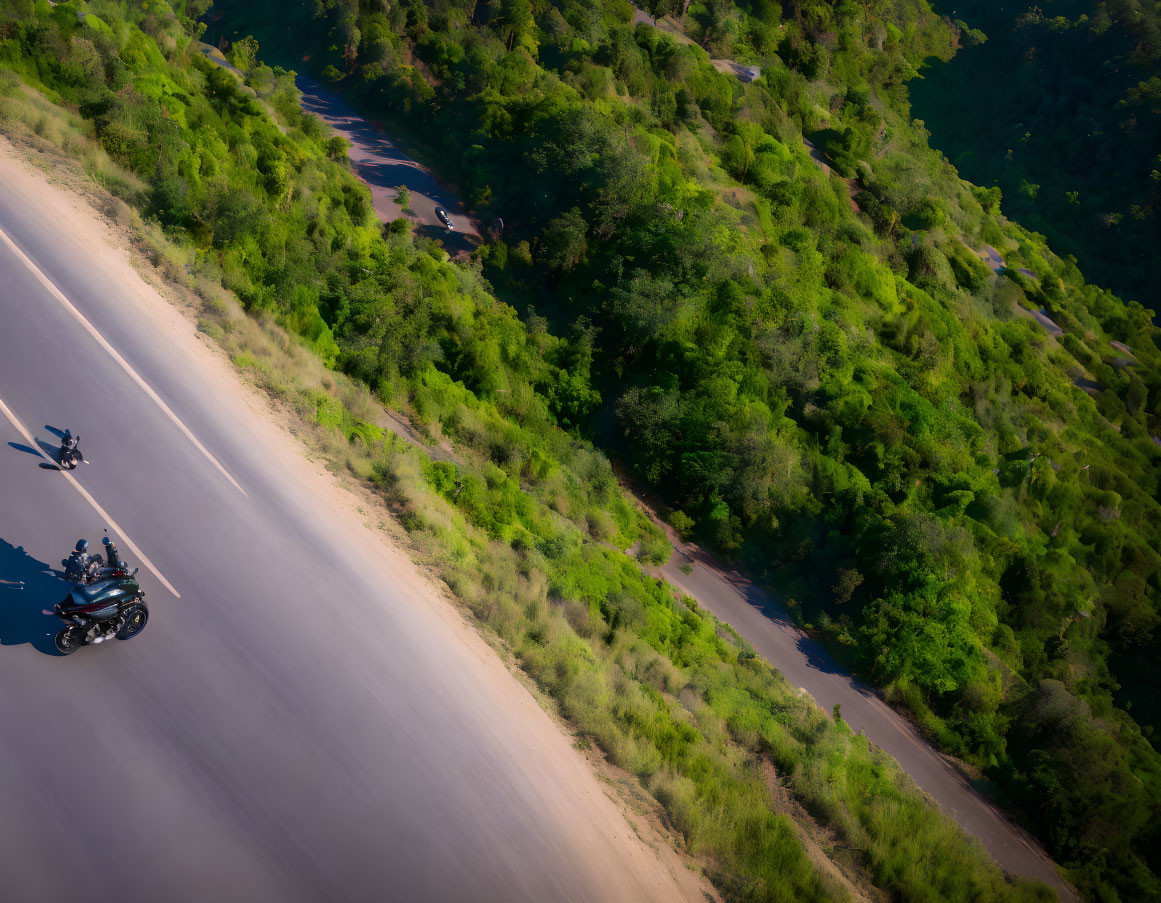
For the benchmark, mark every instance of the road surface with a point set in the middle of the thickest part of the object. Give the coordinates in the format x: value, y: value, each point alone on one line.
x: 805, y: 664
x: 302, y: 719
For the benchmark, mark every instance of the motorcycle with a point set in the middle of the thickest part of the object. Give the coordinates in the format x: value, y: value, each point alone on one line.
x: 70, y: 451
x: 113, y: 607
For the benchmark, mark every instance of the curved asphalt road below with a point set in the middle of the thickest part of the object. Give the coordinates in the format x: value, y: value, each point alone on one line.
x: 378, y: 160
x: 291, y: 728
x: 669, y: 25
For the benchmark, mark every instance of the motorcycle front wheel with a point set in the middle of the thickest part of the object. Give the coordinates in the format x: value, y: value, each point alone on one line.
x: 136, y: 617
x: 70, y: 640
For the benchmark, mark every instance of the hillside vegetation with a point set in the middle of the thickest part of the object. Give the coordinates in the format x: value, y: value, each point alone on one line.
x: 528, y: 531
x: 819, y: 374
x: 815, y: 372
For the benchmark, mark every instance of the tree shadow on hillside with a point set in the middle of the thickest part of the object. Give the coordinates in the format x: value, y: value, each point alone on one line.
x: 28, y: 588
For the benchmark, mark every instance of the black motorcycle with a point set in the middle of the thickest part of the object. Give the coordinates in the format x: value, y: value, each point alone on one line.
x: 114, y: 607
x: 70, y: 451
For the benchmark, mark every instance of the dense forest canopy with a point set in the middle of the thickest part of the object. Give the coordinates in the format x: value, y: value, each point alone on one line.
x: 1061, y: 108
x: 814, y: 369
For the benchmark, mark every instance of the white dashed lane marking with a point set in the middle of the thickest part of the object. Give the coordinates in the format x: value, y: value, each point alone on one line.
x: 132, y: 546
x: 100, y: 339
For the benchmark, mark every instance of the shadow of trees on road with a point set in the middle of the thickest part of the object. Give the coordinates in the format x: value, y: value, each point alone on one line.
x: 812, y: 653
x: 28, y: 588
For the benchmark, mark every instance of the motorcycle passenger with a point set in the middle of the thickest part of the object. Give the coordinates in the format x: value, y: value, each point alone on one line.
x: 78, y: 562
x: 67, y: 441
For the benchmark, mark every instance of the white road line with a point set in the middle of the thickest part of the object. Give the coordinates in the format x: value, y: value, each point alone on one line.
x: 88, y: 498
x: 92, y: 330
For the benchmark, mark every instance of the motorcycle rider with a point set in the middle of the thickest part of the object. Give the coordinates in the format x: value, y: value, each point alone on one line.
x: 69, y: 453
x: 112, y: 556
x: 81, y: 567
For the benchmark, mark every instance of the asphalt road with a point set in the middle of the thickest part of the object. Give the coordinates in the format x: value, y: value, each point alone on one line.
x: 293, y: 727
x: 807, y: 665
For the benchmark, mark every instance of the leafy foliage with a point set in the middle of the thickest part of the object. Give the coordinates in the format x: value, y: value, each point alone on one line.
x: 821, y: 372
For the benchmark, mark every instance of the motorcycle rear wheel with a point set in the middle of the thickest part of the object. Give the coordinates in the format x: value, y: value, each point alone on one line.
x: 136, y: 617
x: 70, y: 640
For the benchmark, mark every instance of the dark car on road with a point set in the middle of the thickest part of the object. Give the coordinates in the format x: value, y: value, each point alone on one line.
x: 444, y: 218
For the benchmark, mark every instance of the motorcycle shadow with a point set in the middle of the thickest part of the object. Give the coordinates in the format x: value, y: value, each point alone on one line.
x: 27, y: 588
x: 49, y: 450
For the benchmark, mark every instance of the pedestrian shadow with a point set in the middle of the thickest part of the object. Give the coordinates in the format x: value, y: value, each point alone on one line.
x: 28, y: 588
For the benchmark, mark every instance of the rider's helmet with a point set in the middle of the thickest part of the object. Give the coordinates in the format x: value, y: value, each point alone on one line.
x: 82, y: 545
x: 105, y: 541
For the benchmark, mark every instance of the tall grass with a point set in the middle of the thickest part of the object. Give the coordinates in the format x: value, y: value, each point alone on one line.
x: 26, y: 112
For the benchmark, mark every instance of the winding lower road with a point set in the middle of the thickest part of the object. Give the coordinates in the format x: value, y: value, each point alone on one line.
x: 669, y: 26
x: 381, y: 164
x: 306, y: 721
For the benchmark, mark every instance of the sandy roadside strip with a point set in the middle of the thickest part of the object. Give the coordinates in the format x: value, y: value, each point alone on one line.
x: 631, y: 849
